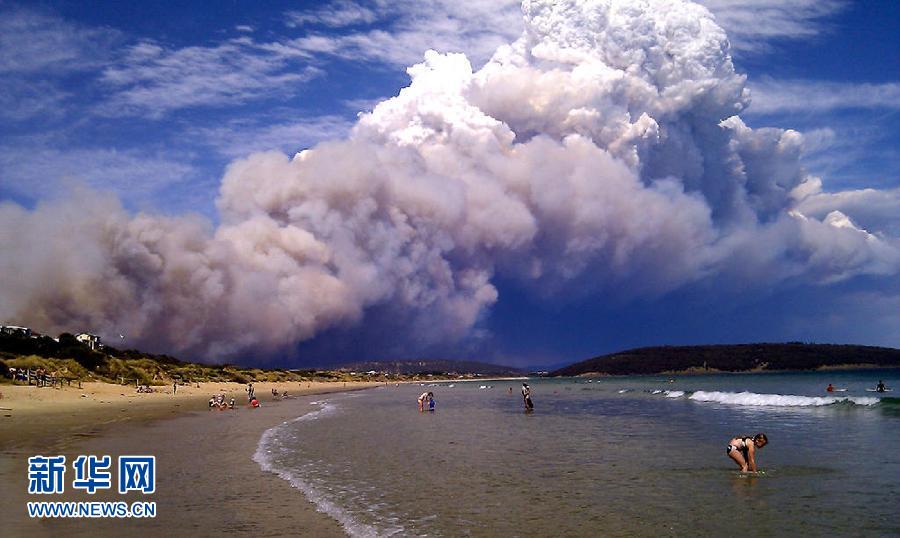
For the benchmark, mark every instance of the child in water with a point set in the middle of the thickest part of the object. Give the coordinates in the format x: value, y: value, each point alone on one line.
x: 743, y: 450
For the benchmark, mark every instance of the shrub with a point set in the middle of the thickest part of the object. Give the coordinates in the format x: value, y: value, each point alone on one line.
x: 61, y: 367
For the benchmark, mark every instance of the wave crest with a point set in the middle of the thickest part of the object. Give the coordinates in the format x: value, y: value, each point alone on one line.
x: 778, y: 400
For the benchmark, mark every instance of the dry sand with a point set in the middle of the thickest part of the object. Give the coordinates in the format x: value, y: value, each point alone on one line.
x: 207, y: 482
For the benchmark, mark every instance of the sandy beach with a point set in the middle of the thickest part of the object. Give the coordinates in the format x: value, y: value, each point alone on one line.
x: 207, y: 482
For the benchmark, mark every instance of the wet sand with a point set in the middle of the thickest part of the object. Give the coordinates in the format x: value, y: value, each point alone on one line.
x: 207, y: 482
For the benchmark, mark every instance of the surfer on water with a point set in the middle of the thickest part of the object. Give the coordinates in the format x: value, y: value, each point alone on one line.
x: 743, y: 450
x: 526, y: 396
x: 880, y: 387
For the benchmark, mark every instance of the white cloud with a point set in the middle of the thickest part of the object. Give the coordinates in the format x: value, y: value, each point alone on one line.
x: 36, y: 43
x: 407, y: 28
x: 37, y: 51
x: 239, y: 138
x: 877, y: 210
x: 152, y: 80
x: 753, y: 25
x: 363, y: 105
x: 41, y: 172
x: 337, y: 14
x: 22, y: 99
x: 770, y: 96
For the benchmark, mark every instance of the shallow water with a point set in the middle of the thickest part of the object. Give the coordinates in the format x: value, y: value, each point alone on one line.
x: 620, y: 456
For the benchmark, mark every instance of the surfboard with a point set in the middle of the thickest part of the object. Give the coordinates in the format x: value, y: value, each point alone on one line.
x: 876, y: 390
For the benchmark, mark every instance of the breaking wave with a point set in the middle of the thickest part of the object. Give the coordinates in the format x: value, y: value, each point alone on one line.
x: 779, y: 400
x: 267, y: 455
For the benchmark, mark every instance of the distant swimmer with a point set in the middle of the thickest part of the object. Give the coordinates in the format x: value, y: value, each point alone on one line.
x: 526, y: 396
x: 743, y: 450
x: 830, y: 388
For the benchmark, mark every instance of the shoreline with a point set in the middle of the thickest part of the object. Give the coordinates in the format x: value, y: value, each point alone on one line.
x: 207, y: 480
x: 712, y: 371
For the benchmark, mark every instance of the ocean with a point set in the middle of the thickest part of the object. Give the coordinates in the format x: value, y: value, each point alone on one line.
x: 613, y: 456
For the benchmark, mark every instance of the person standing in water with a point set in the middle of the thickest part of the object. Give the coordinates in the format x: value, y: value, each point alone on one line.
x: 526, y: 396
x: 880, y: 386
x: 422, y: 399
x: 743, y: 450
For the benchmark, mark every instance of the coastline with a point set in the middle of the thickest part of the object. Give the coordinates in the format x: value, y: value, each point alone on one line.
x: 699, y: 371
x: 207, y: 480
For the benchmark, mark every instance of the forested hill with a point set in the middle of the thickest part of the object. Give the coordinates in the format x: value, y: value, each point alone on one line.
x: 434, y: 366
x: 732, y: 358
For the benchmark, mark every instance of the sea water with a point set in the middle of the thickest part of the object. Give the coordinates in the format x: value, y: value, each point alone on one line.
x: 615, y: 456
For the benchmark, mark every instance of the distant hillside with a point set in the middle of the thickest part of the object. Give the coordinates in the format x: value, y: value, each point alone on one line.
x: 431, y: 366
x: 732, y: 358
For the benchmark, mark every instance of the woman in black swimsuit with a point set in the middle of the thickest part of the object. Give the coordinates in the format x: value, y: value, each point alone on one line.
x: 743, y: 450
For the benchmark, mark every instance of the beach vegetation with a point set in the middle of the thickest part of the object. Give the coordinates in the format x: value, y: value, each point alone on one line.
x: 67, y: 358
x: 64, y: 368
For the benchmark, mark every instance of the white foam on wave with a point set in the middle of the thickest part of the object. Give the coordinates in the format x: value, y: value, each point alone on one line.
x: 674, y: 393
x: 264, y: 457
x: 777, y: 400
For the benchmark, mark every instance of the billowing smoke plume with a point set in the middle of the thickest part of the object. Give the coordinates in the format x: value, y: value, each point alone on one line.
x: 603, y: 151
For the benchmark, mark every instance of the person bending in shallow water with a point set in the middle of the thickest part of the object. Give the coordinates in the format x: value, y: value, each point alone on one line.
x: 743, y: 450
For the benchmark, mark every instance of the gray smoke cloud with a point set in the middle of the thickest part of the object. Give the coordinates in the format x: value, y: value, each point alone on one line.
x: 602, y: 151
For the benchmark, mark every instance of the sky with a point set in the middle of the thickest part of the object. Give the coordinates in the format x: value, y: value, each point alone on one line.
x: 313, y: 183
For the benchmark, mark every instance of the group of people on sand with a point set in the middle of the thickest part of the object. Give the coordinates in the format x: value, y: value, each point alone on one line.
x: 283, y: 394
x: 218, y: 402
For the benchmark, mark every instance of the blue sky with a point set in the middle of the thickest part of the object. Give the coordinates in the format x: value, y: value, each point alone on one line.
x: 151, y: 102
